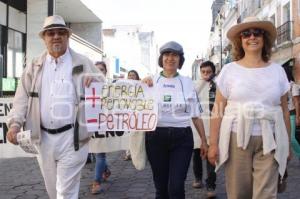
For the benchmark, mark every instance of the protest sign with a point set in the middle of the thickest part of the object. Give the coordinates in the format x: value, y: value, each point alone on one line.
x: 5, y: 106
x: 126, y: 105
x: 8, y: 150
x: 114, y: 110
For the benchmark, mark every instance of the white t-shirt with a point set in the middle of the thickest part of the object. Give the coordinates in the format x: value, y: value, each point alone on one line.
x: 263, y: 86
x: 177, y: 101
x: 295, y: 89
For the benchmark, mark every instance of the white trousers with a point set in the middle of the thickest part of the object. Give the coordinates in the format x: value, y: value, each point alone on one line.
x: 61, y: 165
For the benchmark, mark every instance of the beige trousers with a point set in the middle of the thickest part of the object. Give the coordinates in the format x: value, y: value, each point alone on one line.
x: 248, y: 173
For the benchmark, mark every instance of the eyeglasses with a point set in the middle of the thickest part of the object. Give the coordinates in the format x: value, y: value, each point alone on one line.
x: 254, y: 32
x: 59, y: 32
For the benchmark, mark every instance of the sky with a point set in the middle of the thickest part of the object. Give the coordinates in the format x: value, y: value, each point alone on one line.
x: 188, y: 22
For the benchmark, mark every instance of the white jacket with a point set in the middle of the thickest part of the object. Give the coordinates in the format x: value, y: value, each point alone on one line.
x: 202, y: 88
x: 244, y: 114
x: 26, y: 103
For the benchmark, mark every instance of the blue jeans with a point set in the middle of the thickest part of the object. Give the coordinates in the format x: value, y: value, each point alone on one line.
x: 100, y: 166
x: 169, y: 152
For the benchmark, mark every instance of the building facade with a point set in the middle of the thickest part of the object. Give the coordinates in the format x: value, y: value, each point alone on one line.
x: 285, y: 14
x: 20, y: 22
x: 216, y: 42
x: 128, y: 47
x: 13, y: 33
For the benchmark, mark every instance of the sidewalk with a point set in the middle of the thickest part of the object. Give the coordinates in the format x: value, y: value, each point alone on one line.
x: 21, y: 178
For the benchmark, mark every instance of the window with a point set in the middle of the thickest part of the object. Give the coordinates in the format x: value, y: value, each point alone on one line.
x: 286, y: 13
x: 3, y: 8
x: 15, y: 53
x: 256, y: 4
x: 272, y: 19
x: 20, y: 5
x: 12, y: 44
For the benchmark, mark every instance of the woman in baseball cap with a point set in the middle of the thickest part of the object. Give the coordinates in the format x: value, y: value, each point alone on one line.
x: 250, y: 124
x: 169, y: 148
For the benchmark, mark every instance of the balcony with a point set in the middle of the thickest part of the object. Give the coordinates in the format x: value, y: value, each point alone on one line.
x: 284, y: 32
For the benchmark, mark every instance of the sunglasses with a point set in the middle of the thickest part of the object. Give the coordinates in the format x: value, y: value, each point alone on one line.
x: 254, y: 32
x: 59, y: 32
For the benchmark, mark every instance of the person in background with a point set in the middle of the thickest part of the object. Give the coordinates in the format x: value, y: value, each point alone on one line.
x: 169, y: 148
x: 296, y: 136
x: 250, y: 122
x: 102, y: 171
x: 132, y: 74
x: 293, y: 105
x: 48, y: 102
x: 296, y: 101
x: 206, y: 90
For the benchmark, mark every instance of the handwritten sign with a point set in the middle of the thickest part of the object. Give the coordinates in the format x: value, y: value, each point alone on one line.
x: 5, y: 106
x: 8, y: 150
x: 125, y: 105
x: 109, y: 141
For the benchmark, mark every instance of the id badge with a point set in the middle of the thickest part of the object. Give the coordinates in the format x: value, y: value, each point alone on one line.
x: 167, y: 98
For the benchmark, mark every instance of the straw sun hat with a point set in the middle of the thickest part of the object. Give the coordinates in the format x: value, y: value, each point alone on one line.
x: 252, y: 22
x: 54, y: 22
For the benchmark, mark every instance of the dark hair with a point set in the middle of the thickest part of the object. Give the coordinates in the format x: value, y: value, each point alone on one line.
x: 289, y: 72
x: 135, y: 72
x: 208, y: 64
x: 102, y: 63
x: 181, y: 60
x: 238, y: 51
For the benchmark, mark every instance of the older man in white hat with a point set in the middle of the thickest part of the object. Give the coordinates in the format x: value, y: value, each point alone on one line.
x: 48, y: 102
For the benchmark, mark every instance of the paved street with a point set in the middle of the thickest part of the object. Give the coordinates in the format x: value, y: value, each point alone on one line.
x: 21, y: 178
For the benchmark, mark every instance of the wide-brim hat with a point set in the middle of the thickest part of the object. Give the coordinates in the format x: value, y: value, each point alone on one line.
x: 54, y: 22
x: 252, y: 22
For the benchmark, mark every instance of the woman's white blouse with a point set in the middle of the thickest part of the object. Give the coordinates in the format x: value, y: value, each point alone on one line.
x: 262, y: 86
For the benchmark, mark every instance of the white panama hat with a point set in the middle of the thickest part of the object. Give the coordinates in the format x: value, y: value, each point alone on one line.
x: 54, y: 22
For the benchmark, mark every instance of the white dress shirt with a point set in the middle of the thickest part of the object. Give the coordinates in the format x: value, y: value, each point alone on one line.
x: 57, y: 92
